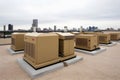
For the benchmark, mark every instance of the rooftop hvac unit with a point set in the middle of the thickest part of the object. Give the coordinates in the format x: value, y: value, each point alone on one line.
x: 87, y: 42
x: 95, y: 33
x: 115, y: 36
x: 66, y: 46
x: 104, y: 38
x: 17, y: 41
x: 41, y: 49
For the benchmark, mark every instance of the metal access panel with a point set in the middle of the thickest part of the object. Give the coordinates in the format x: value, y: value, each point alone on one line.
x: 115, y: 36
x: 87, y: 42
x: 104, y: 38
x: 66, y: 45
x: 17, y: 41
x: 41, y: 49
x: 95, y: 33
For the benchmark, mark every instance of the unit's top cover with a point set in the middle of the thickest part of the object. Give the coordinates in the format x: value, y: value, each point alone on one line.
x: 75, y: 33
x: 17, y: 33
x: 88, y: 35
x: 66, y: 35
x: 104, y: 34
x: 40, y: 34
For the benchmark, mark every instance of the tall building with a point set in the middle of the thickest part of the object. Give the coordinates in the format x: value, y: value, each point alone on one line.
x: 10, y: 27
x: 35, y: 23
x: 4, y: 28
x: 55, y: 27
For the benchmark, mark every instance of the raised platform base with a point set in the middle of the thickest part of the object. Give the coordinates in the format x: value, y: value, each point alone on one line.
x: 116, y: 41
x: 73, y: 60
x: 109, y: 45
x: 37, y: 73
x: 12, y: 52
x: 91, y: 52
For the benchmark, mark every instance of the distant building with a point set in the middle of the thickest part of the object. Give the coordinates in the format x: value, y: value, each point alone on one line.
x: 10, y: 27
x: 93, y: 28
x: 55, y: 28
x: 65, y: 29
x: 4, y: 27
x: 34, y: 24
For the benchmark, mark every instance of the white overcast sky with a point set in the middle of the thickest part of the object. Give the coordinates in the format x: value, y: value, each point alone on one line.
x: 72, y: 13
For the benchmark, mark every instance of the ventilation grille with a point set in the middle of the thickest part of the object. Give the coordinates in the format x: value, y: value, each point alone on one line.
x: 102, y: 38
x: 82, y: 42
x: 30, y: 49
x: 113, y: 36
x: 13, y: 41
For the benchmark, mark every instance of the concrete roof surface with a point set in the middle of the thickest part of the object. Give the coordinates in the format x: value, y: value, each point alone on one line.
x: 102, y: 66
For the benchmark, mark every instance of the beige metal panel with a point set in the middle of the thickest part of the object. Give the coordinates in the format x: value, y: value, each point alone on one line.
x: 115, y: 36
x: 41, y: 49
x: 48, y: 46
x: 66, y: 45
x: 87, y: 41
x: 17, y: 41
x: 104, y: 38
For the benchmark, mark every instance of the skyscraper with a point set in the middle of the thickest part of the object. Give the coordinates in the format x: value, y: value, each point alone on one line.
x: 35, y: 23
x: 55, y: 27
x: 10, y: 27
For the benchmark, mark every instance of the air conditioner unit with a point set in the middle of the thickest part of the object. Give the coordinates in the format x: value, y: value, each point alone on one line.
x: 41, y: 49
x: 17, y: 41
x: 87, y: 42
x: 66, y: 46
x: 104, y: 38
x: 95, y: 33
x: 115, y: 36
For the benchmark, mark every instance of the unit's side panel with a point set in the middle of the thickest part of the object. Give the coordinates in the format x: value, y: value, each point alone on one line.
x: 93, y: 43
x: 47, y: 48
x: 71, y: 42
x: 13, y: 42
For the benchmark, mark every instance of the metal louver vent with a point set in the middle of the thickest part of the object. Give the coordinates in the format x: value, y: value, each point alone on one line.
x: 30, y: 49
x: 102, y: 38
x: 113, y: 36
x: 81, y: 42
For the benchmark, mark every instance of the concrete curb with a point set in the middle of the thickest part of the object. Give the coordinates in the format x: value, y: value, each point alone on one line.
x: 12, y: 52
x: 91, y: 52
x: 37, y: 73
x: 109, y: 45
x: 73, y: 60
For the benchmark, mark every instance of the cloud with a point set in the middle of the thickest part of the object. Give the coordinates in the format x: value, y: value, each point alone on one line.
x: 95, y: 10
x: 47, y: 11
